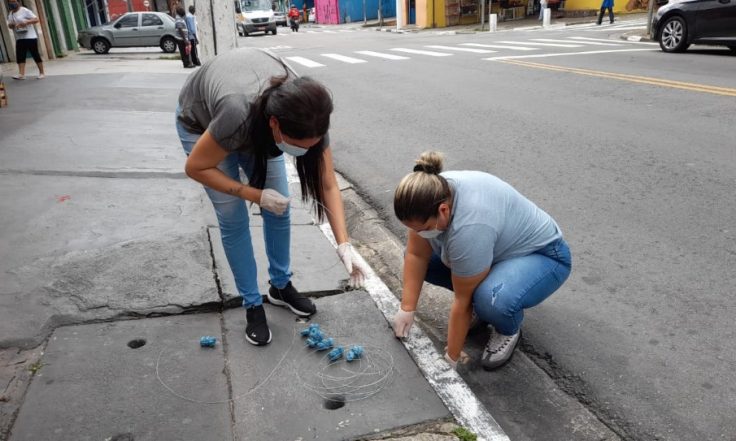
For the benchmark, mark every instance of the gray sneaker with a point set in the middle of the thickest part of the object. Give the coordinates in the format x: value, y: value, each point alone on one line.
x: 498, y: 350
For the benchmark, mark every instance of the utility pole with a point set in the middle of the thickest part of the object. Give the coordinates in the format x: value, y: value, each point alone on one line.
x: 650, y: 12
x: 482, y: 14
x: 215, y: 27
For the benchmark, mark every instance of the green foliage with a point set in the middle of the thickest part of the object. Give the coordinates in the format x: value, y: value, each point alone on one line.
x: 464, y: 434
x: 35, y: 367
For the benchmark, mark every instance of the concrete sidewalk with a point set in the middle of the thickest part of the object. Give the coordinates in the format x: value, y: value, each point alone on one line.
x: 112, y: 270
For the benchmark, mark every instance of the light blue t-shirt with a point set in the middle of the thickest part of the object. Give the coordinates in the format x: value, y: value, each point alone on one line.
x: 491, y: 222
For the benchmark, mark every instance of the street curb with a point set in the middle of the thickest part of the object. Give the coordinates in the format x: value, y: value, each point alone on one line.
x: 446, y: 382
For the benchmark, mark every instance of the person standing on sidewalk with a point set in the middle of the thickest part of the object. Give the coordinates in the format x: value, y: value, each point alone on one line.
x: 242, y: 111
x: 191, y: 20
x: 22, y: 21
x: 182, y: 37
x: 474, y: 234
x: 607, y: 4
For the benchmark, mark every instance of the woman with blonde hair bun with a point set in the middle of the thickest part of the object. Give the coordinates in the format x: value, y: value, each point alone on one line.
x: 474, y: 234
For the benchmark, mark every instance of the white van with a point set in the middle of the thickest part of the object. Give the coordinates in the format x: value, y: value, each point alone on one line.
x: 254, y: 16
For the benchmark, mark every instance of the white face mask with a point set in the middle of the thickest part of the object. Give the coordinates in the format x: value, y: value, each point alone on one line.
x: 431, y: 234
x: 291, y: 149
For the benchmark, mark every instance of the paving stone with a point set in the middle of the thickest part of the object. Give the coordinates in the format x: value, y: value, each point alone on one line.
x: 314, y: 262
x: 76, y: 248
x: 272, y: 401
x: 93, y: 386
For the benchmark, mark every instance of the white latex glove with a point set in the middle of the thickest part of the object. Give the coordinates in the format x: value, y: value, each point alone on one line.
x: 273, y: 201
x: 402, y: 322
x: 355, y: 267
x: 463, y: 359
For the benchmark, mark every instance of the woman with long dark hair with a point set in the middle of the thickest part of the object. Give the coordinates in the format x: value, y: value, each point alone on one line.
x: 242, y: 111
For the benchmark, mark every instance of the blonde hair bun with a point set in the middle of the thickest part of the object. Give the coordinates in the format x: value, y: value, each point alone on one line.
x: 429, y: 162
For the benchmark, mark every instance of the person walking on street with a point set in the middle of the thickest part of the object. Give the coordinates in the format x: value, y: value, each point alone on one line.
x: 243, y: 110
x: 182, y: 37
x: 191, y: 21
x: 474, y: 234
x: 607, y: 4
x: 22, y: 21
x: 294, y: 19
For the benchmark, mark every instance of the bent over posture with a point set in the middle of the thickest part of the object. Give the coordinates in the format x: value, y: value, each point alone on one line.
x: 474, y: 234
x: 242, y: 111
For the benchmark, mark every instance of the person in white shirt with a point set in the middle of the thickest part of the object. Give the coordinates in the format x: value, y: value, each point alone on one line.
x: 21, y: 21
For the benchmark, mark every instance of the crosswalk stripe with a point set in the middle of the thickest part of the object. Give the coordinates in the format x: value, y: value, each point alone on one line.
x: 499, y: 46
x: 346, y: 30
x: 419, y: 52
x: 382, y: 55
x: 329, y: 32
x: 540, y: 44
x: 344, y: 59
x: 312, y: 32
x: 602, y: 39
x: 550, y: 40
x: 305, y: 61
x: 462, y: 49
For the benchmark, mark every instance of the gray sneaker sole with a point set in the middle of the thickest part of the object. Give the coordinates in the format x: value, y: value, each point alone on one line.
x: 500, y: 363
x: 277, y: 302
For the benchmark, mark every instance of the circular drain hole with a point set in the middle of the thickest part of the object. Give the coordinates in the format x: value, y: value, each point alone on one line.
x: 335, y: 402
x: 137, y: 343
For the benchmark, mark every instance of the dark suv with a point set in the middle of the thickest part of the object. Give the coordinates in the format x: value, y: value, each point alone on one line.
x: 680, y: 23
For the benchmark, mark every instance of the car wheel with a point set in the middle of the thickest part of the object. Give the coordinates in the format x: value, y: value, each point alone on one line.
x: 673, y: 36
x: 733, y: 49
x: 100, y: 46
x: 275, y: 31
x: 240, y: 31
x: 168, y: 45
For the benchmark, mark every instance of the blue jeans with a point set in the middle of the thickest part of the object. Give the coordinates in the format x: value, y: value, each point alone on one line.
x: 512, y: 285
x: 232, y: 215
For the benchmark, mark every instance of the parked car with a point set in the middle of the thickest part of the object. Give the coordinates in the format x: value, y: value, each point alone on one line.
x: 134, y: 29
x: 280, y: 18
x: 680, y: 23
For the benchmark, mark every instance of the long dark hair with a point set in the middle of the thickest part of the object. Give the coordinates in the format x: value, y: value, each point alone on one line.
x: 302, y: 107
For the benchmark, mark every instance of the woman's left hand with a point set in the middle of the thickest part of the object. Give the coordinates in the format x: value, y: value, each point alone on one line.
x: 355, y: 267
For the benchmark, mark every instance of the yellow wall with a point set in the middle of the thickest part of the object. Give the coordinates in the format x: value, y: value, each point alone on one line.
x: 424, y: 13
x: 618, y: 5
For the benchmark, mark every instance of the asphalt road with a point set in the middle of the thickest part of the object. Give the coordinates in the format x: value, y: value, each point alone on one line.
x: 631, y: 150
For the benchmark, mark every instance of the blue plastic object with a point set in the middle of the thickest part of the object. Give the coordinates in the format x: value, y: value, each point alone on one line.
x: 208, y: 341
x: 316, y: 334
x: 335, y: 354
x: 305, y: 332
x: 325, y: 344
x: 355, y: 352
x: 312, y: 343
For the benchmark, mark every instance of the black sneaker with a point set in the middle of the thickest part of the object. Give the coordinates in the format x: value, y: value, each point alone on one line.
x: 288, y: 296
x: 256, y: 328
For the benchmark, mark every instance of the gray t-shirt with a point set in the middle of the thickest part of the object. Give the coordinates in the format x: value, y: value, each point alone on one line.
x: 217, y: 96
x: 491, y: 222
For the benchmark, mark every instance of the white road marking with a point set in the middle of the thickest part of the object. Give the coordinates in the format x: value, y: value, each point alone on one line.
x: 329, y: 32
x: 382, y: 55
x: 500, y: 46
x: 462, y: 49
x: 305, y: 61
x: 344, y: 59
x: 602, y: 39
x: 516, y: 57
x: 419, y: 52
x: 594, y: 43
x: 540, y: 44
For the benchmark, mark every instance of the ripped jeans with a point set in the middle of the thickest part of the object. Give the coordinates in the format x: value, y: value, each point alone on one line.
x: 232, y: 215
x: 512, y: 285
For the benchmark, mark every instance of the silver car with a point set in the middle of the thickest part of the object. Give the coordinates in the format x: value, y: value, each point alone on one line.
x: 134, y: 29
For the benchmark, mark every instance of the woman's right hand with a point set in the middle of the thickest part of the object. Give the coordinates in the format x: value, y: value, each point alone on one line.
x: 273, y: 201
x: 402, y: 322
